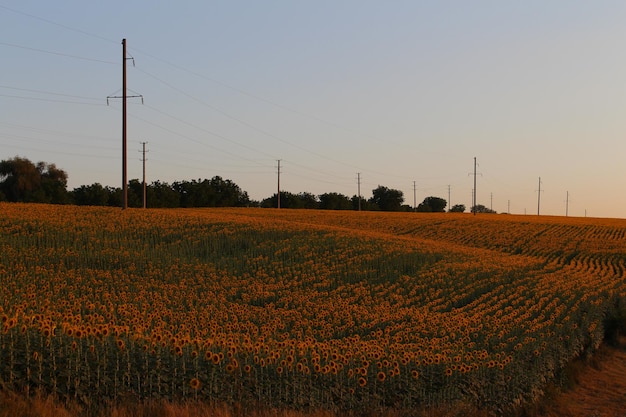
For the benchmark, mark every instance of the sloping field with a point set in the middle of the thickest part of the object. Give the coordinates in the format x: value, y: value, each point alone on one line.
x: 302, y: 309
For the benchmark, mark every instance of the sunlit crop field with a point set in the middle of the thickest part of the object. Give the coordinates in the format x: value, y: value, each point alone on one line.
x: 301, y: 309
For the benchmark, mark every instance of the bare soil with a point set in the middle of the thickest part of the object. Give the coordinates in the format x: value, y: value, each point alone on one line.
x: 599, y: 388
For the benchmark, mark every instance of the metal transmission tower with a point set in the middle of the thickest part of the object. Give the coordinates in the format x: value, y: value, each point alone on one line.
x: 124, y: 96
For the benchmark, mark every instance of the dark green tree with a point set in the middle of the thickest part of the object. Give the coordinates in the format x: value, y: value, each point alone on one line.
x: 287, y: 200
x: 432, y: 205
x: 308, y: 200
x: 90, y: 195
x: 161, y: 194
x: 365, y: 204
x: 21, y: 180
x: 387, y: 199
x: 479, y: 208
x: 458, y: 208
x: 334, y: 201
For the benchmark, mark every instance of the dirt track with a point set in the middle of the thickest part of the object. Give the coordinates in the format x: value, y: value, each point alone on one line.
x: 601, y: 388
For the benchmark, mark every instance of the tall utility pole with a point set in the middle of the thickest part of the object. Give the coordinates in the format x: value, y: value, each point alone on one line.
x: 539, y: 197
x: 449, y: 200
x: 278, y: 195
x: 124, y: 96
x: 358, y: 180
x: 491, y: 205
x: 124, y: 142
x: 414, y: 197
x: 474, y: 194
x: 567, y: 204
x: 508, y: 205
x: 143, y: 159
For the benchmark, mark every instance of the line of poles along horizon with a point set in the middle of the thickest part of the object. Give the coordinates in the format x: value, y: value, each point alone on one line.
x: 125, y: 96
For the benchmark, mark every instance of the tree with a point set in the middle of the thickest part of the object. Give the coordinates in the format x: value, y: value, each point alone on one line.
x: 387, y: 199
x: 53, y: 183
x: 432, y: 205
x: 21, y: 180
x: 458, y: 208
x: 161, y: 194
x: 479, y: 208
x: 334, y: 201
x: 308, y: 200
x: 287, y: 200
x: 90, y: 195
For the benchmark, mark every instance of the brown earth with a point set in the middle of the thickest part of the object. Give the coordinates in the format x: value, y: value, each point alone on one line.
x: 599, y: 388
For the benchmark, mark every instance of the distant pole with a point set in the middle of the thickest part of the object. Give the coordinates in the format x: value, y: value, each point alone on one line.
x: 539, y: 197
x: 508, y: 205
x: 474, y: 196
x: 278, y: 194
x: 358, y: 180
x: 567, y: 204
x: 414, y: 197
x: 491, y: 205
x: 143, y: 159
x: 449, y: 200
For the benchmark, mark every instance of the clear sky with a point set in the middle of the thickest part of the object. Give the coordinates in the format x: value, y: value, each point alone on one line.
x: 404, y: 93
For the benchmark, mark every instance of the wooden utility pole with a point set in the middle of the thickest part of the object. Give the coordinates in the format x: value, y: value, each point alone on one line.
x: 124, y: 97
x: 124, y: 142
x: 414, y: 197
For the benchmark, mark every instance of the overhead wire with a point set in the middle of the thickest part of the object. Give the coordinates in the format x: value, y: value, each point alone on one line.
x: 241, y: 91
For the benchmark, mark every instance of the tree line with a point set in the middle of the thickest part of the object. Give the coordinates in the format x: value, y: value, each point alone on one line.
x: 23, y: 181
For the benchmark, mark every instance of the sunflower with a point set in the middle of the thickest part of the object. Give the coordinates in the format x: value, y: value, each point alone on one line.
x: 194, y: 383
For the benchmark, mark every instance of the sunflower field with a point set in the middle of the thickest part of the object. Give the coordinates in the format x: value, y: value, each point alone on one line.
x: 301, y: 309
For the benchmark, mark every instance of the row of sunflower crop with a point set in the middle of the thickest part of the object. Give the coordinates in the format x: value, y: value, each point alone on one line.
x: 299, y: 308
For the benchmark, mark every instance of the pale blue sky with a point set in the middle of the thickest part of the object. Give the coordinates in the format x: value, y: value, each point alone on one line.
x: 398, y: 91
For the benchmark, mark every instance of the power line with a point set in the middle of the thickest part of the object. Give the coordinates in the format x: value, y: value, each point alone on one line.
x: 51, y: 93
x: 48, y: 100
x: 43, y: 51
x: 82, y: 32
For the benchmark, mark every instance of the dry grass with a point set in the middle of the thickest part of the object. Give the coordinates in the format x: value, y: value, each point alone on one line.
x: 13, y: 405
x: 597, y: 387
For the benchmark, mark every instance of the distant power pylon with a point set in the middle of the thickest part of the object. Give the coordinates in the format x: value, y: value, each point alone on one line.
x: 143, y: 159
x: 474, y: 190
x: 278, y: 195
x: 358, y: 180
x: 539, y: 197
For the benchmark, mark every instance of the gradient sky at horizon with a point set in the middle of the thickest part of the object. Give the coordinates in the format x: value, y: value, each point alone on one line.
x: 401, y: 92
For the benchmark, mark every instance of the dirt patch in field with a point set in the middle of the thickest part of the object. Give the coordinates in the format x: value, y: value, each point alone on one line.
x: 600, y: 389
